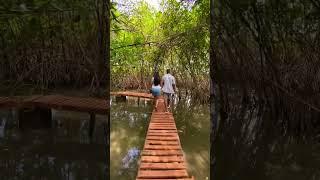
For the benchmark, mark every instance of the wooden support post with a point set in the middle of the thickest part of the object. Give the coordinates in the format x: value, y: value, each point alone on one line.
x: 15, y: 114
x: 121, y: 98
x: 91, y: 124
x: 34, y: 118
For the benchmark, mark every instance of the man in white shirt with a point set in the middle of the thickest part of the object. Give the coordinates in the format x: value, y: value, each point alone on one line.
x: 168, y: 87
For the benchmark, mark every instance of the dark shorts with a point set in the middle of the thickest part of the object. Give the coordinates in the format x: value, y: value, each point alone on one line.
x: 168, y: 96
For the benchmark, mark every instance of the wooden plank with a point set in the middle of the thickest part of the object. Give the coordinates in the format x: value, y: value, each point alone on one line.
x: 162, y: 147
x: 91, y: 105
x: 162, y: 174
x: 132, y: 94
x: 156, y: 142
x: 164, y: 125
x: 167, y: 179
x: 163, y: 128
x: 80, y: 104
x: 162, y: 131
x: 161, y: 152
x: 161, y: 134
x: 163, y: 166
x: 163, y: 122
x: 162, y: 138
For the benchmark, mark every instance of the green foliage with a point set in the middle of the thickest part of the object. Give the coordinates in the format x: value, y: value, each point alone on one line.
x: 176, y: 37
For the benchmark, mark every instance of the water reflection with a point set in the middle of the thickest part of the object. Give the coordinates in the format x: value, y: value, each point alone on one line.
x: 63, y: 152
x: 3, y: 122
x: 129, y: 162
x: 193, y: 123
x: 128, y: 123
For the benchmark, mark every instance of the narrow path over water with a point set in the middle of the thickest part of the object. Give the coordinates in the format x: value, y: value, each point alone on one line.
x: 129, y: 123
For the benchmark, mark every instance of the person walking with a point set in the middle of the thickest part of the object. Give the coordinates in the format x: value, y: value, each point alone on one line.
x: 168, y: 88
x: 156, y: 90
x: 155, y: 75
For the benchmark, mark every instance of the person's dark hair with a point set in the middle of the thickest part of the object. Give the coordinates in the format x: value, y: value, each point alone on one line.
x: 168, y: 71
x: 156, y: 75
x: 156, y: 80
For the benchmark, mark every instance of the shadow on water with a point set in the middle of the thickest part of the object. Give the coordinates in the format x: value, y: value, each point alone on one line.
x: 63, y: 152
x: 129, y: 123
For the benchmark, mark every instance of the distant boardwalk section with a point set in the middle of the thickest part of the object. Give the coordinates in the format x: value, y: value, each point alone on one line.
x: 133, y: 94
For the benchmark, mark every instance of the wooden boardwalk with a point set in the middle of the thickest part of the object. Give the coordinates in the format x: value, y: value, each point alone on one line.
x: 58, y: 102
x: 162, y: 156
x: 132, y: 94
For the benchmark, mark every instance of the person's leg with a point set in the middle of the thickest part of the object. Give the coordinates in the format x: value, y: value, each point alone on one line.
x: 154, y: 101
x: 169, y: 100
x: 166, y: 99
x: 156, y: 107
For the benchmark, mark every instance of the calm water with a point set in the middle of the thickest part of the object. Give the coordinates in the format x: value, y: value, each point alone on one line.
x: 129, y: 123
x: 63, y: 152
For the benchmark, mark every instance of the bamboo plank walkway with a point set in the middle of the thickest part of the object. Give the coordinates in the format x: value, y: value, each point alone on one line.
x: 58, y: 102
x: 162, y: 156
x: 132, y: 94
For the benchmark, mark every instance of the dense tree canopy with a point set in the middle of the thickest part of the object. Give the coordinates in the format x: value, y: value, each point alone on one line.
x: 145, y: 39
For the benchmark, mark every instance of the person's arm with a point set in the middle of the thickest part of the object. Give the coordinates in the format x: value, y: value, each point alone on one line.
x: 162, y: 82
x: 174, y: 84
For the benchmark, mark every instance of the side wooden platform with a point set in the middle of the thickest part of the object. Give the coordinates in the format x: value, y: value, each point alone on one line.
x: 132, y: 94
x: 79, y: 104
x: 162, y: 156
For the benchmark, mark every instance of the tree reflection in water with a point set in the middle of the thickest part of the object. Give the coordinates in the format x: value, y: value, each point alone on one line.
x: 46, y: 154
x: 129, y: 162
